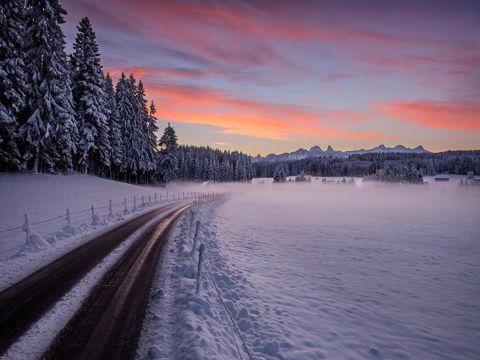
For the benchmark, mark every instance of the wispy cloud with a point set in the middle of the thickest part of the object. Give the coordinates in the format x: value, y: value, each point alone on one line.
x: 298, y: 70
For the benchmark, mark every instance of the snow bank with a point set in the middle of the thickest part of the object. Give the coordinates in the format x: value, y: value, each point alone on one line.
x: 180, y: 324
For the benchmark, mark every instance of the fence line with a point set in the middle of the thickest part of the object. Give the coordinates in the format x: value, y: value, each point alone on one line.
x: 230, y: 317
x: 11, y: 229
x: 209, y: 273
x: 139, y: 203
x: 48, y: 220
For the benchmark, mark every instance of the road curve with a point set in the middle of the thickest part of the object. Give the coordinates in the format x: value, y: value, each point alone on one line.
x: 108, y: 324
x: 26, y: 301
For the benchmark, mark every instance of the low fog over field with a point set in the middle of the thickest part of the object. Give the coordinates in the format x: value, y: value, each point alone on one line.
x: 306, y: 270
x: 352, y: 271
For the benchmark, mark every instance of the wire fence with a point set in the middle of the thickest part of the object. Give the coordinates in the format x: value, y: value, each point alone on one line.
x: 234, y: 327
x: 93, y: 216
x: 209, y: 274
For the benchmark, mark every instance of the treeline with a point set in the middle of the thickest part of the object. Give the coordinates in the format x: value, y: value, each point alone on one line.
x: 390, y: 165
x: 206, y: 164
x: 59, y: 112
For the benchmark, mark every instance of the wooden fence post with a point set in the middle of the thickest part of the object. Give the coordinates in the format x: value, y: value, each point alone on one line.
x: 195, y: 236
x: 27, y: 228
x: 199, y: 270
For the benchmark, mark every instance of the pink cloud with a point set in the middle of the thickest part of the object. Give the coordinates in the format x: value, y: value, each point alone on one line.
x: 433, y: 114
x: 275, y: 121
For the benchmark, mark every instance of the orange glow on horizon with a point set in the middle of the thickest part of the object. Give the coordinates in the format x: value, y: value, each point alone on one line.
x: 252, y: 118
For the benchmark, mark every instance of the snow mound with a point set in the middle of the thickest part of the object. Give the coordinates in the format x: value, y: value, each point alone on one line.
x: 190, y: 326
x: 34, y: 243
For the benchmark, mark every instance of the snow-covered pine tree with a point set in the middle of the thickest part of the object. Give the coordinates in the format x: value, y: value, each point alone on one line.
x: 132, y: 129
x: 280, y: 174
x: 136, y: 135
x: 168, y: 162
x: 113, y: 121
x: 12, y: 79
x: 151, y: 133
x: 126, y: 112
x: 242, y: 168
x: 90, y: 101
x: 50, y: 132
x: 145, y: 162
x: 216, y: 170
x: 168, y: 141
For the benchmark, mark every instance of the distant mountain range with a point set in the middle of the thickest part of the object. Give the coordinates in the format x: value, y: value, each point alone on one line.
x: 316, y: 151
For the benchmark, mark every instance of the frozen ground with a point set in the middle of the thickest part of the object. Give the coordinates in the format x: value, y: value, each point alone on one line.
x: 312, y: 271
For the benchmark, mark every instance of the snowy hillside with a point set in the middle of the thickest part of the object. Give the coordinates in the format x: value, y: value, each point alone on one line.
x: 48, y: 196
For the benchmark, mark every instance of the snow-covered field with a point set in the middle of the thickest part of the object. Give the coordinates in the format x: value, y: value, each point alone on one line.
x: 291, y: 271
x: 312, y: 271
x: 45, y: 197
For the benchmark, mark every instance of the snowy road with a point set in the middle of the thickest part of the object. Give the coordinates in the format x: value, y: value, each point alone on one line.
x: 25, y: 303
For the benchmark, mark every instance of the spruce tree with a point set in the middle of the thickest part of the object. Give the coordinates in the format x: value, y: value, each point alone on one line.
x: 50, y: 132
x: 168, y: 162
x: 12, y: 79
x: 280, y: 174
x: 143, y: 120
x: 168, y: 141
x: 113, y: 122
x: 90, y: 100
x: 132, y: 129
x: 126, y: 113
x: 134, y: 136
x: 151, y: 133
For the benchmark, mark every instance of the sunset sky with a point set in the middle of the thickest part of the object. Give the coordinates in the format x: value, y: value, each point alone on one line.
x: 273, y: 76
